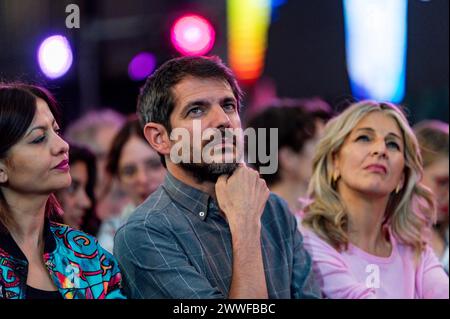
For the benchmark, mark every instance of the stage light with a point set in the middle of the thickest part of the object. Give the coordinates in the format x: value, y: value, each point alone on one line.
x: 55, y: 56
x: 141, y: 66
x: 376, y: 48
x: 192, y: 35
x: 248, y: 23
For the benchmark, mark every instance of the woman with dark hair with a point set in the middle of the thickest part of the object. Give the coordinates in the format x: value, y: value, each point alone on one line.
x: 139, y: 170
x: 41, y: 259
x: 78, y: 200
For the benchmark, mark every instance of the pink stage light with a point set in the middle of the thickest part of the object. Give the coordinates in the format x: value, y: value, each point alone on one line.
x: 192, y: 35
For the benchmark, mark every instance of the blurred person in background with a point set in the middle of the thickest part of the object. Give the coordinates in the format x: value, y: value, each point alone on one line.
x: 96, y: 130
x: 78, y: 200
x: 366, y: 226
x: 320, y: 110
x: 137, y: 167
x: 299, y: 130
x: 433, y: 139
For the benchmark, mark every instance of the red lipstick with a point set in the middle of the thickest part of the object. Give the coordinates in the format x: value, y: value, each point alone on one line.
x: 63, y: 165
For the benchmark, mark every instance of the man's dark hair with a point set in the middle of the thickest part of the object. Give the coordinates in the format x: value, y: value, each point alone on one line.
x: 295, y: 127
x: 156, y: 100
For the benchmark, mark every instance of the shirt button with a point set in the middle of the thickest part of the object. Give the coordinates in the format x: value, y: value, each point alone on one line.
x: 202, y: 214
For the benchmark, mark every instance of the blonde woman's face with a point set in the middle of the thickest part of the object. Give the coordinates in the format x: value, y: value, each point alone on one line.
x: 371, y: 160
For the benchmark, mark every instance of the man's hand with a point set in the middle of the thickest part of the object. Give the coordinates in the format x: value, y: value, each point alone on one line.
x: 242, y: 197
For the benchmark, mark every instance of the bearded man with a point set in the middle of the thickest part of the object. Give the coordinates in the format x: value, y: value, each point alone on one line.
x: 212, y: 229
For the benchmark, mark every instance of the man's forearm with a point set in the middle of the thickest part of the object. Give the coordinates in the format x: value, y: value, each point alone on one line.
x: 248, y: 278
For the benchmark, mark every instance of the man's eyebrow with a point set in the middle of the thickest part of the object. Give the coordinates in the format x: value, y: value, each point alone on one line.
x: 40, y: 127
x: 228, y: 99
x: 205, y: 102
x: 199, y: 102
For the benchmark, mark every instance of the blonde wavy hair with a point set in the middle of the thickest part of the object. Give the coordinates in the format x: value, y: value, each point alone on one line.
x: 409, y: 213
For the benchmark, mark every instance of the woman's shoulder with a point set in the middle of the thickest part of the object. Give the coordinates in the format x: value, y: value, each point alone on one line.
x: 73, y: 239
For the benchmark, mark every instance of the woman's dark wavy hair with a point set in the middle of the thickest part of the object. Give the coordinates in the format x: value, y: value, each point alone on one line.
x: 17, y: 110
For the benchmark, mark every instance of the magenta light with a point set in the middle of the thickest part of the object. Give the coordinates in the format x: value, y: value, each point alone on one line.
x: 192, y: 35
x: 55, y: 56
x: 141, y: 66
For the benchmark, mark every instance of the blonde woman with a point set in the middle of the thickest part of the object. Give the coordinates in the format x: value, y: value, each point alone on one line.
x: 367, y: 225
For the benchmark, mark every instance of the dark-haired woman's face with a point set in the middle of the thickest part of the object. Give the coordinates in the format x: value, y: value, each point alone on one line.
x: 74, y: 199
x: 38, y: 163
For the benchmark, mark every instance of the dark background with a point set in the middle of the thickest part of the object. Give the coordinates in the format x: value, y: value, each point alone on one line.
x: 305, y: 55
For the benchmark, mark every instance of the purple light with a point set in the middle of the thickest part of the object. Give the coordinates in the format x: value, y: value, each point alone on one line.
x: 55, y: 56
x: 141, y: 66
x: 192, y: 35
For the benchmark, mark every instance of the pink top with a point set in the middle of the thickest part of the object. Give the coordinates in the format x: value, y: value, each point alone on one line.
x: 356, y: 274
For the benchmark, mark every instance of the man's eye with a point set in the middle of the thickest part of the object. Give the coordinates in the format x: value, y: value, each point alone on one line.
x: 57, y: 131
x: 229, y: 107
x: 195, y: 111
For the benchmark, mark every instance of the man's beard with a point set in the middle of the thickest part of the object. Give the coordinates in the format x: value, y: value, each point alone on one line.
x: 209, y: 172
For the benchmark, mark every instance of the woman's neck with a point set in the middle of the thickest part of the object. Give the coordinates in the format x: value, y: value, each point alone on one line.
x: 365, y: 221
x: 28, y: 216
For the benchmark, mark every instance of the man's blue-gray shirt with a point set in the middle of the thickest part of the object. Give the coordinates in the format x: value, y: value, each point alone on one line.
x: 177, y: 244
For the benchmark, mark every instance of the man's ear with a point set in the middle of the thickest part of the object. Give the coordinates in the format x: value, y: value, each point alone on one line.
x: 3, y: 173
x: 158, y: 137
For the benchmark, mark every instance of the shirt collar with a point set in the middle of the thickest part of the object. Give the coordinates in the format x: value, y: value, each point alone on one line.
x: 191, y: 198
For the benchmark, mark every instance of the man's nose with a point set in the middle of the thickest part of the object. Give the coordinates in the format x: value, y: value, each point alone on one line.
x: 219, y: 118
